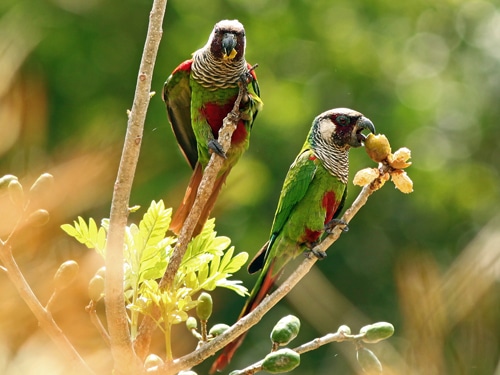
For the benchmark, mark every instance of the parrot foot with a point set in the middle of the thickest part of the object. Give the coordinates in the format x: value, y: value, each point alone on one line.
x: 215, y: 146
x: 247, y: 77
x: 314, y: 252
x: 318, y: 254
x: 332, y: 224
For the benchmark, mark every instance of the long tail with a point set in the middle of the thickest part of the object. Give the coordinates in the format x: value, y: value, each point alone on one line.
x: 187, y: 202
x: 259, y: 291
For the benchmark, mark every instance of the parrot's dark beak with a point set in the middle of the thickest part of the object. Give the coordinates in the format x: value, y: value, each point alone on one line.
x: 363, y: 124
x: 228, y: 46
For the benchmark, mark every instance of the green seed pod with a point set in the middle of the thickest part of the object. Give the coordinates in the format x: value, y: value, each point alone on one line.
x: 66, y: 274
x: 283, y: 360
x: 204, y: 307
x: 218, y: 329
x: 374, y: 333
x: 38, y: 218
x: 152, y: 361
x: 42, y: 184
x: 191, y: 323
x: 368, y: 361
x: 344, y: 330
x: 285, y: 330
x: 96, y: 288
x: 16, y: 193
x: 5, y: 180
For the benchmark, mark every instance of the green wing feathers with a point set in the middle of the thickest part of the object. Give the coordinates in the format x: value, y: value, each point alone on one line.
x: 297, y: 181
x: 177, y: 97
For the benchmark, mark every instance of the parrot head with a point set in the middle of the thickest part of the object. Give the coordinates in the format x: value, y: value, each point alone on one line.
x: 227, y: 41
x: 341, y: 127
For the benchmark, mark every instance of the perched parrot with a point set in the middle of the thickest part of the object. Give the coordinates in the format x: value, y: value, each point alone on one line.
x: 199, y: 94
x: 311, y: 199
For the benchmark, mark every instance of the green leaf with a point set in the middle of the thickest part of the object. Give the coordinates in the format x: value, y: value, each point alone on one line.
x: 236, y: 263
x: 233, y: 285
x: 69, y: 229
x: 87, y: 234
x: 226, y: 259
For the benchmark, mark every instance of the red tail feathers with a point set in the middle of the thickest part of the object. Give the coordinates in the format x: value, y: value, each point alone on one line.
x: 187, y: 202
x: 259, y: 292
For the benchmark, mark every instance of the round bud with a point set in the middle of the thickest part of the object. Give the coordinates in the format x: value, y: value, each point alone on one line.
x: 16, y: 193
x: 38, y: 218
x: 96, y: 288
x: 152, y: 361
x: 377, y: 147
x: 376, y: 332
x: 218, y: 329
x: 191, y: 323
x: 66, y: 274
x: 344, y: 330
x: 204, y: 307
x: 42, y: 184
x: 368, y: 361
x: 5, y: 180
x: 285, y: 330
x: 283, y: 360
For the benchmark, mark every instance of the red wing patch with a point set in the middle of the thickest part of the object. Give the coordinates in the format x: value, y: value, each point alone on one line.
x: 330, y: 204
x: 185, y: 66
x: 311, y: 236
x: 215, y: 113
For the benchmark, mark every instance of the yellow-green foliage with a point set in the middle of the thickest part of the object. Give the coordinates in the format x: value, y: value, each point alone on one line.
x: 209, y: 262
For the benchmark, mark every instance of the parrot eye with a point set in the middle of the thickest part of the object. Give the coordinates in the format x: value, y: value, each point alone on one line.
x: 342, y: 120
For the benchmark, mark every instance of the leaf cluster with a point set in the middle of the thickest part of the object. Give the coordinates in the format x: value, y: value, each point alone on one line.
x: 209, y: 263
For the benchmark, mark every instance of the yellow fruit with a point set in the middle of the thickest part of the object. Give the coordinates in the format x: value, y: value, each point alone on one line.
x: 377, y: 147
x: 365, y: 176
x: 402, y: 181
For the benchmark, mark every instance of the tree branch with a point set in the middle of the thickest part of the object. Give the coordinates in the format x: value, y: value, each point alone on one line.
x: 43, y: 316
x: 121, y: 346
x: 256, y: 315
x: 304, y: 348
x: 210, y: 173
x: 204, y: 191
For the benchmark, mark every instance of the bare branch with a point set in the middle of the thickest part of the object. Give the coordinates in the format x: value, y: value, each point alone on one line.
x: 204, y: 191
x: 210, y: 173
x: 256, y: 315
x: 121, y: 345
x: 94, y: 318
x: 304, y: 348
x: 43, y: 316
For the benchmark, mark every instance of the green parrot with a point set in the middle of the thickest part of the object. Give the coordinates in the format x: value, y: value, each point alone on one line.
x: 199, y: 94
x: 311, y: 199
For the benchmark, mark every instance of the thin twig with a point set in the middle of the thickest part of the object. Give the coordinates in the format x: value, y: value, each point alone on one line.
x: 122, y: 350
x: 94, y: 318
x: 43, y: 316
x: 320, y: 341
x: 304, y: 348
x: 256, y: 315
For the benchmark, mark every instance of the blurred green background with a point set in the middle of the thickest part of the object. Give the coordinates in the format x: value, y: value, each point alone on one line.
x: 426, y: 73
